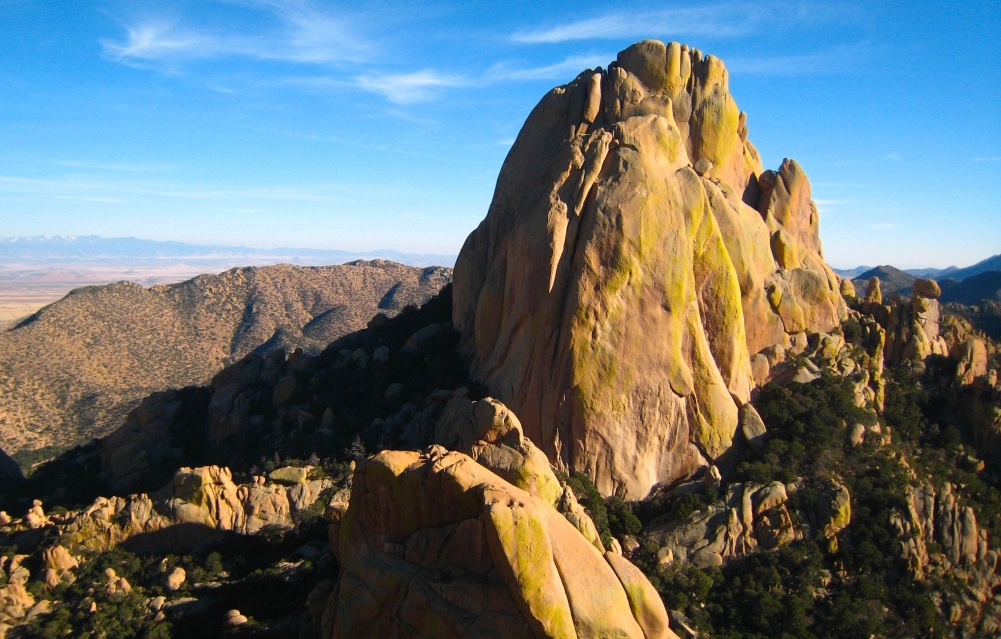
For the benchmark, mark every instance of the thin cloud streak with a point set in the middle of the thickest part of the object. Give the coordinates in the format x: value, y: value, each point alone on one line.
x: 408, y: 88
x: 117, y: 167
x: 709, y: 21
x: 297, y: 34
x: 566, y: 70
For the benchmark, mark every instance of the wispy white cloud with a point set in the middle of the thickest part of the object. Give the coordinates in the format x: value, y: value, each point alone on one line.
x: 89, y: 198
x: 893, y: 157
x: 826, y: 202
x: 721, y: 19
x: 993, y: 158
x: 564, y: 70
x: 407, y: 88
x: 292, y: 32
x: 881, y: 226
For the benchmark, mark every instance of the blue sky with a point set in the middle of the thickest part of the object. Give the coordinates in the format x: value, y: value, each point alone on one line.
x: 383, y: 125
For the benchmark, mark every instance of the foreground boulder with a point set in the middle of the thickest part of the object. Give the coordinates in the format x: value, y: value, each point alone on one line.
x: 634, y: 256
x: 437, y: 545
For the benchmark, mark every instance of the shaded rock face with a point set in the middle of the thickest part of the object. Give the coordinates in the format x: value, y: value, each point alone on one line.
x: 613, y: 295
x: 437, y: 545
x: 9, y: 468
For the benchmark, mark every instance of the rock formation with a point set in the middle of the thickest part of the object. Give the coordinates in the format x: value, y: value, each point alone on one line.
x: 634, y: 256
x: 437, y: 545
x: 750, y: 517
x: 912, y: 333
x: 195, y: 506
x: 940, y: 536
x: 491, y: 434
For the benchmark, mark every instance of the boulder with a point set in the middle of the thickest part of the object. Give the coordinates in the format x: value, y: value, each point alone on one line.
x: 175, y: 579
x: 872, y: 291
x: 612, y: 295
x: 437, y: 545
x: 847, y: 289
x: 926, y: 288
x: 234, y: 618
x: 491, y: 433
x: 290, y: 475
x: 752, y: 428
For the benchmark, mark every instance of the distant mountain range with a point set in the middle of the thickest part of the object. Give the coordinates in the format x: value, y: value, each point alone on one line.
x: 37, y: 249
x: 967, y: 285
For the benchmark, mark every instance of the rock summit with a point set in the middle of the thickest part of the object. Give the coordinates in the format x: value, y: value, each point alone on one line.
x: 638, y: 271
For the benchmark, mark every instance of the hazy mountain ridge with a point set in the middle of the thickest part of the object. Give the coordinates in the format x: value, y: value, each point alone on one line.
x: 953, y: 281
x: 992, y: 263
x: 74, y: 369
x: 36, y: 249
x: 973, y: 289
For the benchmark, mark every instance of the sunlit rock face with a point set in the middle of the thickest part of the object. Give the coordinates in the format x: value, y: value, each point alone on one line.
x: 437, y: 545
x: 633, y: 259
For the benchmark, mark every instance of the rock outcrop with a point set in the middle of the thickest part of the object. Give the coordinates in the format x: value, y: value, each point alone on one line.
x: 940, y: 536
x: 634, y: 257
x: 912, y: 332
x: 437, y: 545
x: 197, y: 505
x: 749, y: 517
x: 491, y: 434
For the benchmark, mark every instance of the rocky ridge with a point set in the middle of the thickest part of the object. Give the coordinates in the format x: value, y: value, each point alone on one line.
x: 77, y: 367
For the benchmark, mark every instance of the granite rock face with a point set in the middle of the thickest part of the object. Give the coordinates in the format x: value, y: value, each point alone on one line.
x: 437, y: 545
x: 635, y: 255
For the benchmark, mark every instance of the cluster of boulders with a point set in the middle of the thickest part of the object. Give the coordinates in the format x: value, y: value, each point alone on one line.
x: 748, y: 518
x: 197, y: 506
x: 940, y: 536
x: 16, y: 603
x: 978, y: 380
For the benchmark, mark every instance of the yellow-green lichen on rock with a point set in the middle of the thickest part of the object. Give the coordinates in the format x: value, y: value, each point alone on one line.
x: 628, y: 358
x: 486, y: 559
